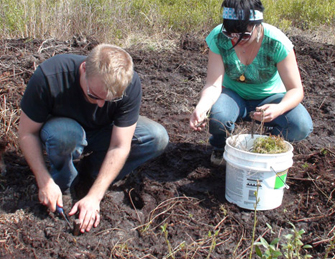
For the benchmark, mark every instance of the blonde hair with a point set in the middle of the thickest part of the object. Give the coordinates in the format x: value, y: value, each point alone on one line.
x: 113, y: 65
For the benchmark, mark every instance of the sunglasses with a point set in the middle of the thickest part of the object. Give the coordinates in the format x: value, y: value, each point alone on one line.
x: 94, y: 97
x: 245, y: 36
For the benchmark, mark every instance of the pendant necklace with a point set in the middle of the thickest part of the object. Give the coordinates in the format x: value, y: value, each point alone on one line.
x: 242, y: 76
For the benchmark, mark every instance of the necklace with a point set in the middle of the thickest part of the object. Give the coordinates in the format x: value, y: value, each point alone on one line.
x: 247, y: 63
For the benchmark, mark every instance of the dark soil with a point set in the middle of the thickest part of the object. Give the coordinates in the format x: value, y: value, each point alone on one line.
x: 180, y: 190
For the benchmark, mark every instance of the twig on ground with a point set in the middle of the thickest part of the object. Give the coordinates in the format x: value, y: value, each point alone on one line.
x: 166, y: 203
x: 220, y: 222
x: 134, y: 207
x: 331, y: 231
x: 315, y: 218
x: 328, y: 240
x: 328, y: 197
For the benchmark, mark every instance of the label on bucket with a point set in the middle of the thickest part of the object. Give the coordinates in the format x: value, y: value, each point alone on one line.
x: 280, y: 179
x: 241, y: 185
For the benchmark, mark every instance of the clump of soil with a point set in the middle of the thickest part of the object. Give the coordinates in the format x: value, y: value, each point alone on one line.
x: 180, y: 190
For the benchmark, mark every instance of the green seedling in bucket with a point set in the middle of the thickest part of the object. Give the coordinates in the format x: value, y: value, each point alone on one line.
x: 269, y: 145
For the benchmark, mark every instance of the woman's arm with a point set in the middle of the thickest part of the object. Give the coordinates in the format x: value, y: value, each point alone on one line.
x: 211, y: 91
x: 289, y: 73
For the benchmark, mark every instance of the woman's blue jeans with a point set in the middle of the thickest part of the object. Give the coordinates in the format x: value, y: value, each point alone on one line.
x: 293, y: 125
x: 65, y: 140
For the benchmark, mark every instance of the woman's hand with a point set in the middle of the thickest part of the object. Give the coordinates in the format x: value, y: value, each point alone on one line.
x: 267, y: 112
x: 210, y: 93
x: 198, y: 119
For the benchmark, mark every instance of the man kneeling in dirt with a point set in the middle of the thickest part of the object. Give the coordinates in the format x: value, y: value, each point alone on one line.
x: 76, y: 105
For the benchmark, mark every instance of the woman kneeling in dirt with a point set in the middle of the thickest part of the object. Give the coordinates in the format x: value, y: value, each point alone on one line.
x: 252, y: 74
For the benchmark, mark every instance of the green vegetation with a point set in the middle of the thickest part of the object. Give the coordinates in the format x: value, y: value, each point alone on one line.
x: 303, y: 14
x: 255, y: 220
x: 269, y: 145
x: 143, y: 21
x: 166, y: 233
x: 292, y: 248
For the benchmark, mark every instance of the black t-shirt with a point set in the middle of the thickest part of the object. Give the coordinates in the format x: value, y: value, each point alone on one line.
x: 54, y: 90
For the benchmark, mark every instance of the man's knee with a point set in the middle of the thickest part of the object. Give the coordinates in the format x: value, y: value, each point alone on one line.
x: 154, y: 134
x: 161, y: 138
x: 64, y: 135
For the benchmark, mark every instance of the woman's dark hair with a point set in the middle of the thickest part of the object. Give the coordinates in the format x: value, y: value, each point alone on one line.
x: 242, y: 10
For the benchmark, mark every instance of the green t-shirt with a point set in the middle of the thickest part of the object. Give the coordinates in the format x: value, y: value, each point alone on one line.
x: 261, y: 76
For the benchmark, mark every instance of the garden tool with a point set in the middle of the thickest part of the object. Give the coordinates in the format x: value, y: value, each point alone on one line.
x: 62, y: 213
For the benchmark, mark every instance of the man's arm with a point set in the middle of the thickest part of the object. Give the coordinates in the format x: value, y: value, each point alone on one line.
x: 116, y: 157
x: 49, y: 192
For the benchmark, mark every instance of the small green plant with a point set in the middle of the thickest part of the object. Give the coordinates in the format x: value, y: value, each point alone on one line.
x: 290, y: 250
x: 330, y: 247
x: 270, y: 145
x: 294, y: 244
x: 270, y: 249
x: 324, y: 151
x: 213, y: 243
x: 166, y: 233
x: 223, y: 210
x: 305, y: 165
x: 255, y: 220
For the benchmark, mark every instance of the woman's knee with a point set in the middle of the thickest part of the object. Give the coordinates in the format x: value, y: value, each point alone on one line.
x: 296, y: 125
x: 300, y: 124
x: 300, y: 131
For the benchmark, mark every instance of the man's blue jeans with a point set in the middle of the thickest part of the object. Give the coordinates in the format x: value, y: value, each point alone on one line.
x: 293, y: 125
x: 65, y: 140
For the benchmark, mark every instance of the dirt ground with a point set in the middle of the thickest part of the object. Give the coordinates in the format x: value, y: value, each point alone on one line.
x: 175, y: 203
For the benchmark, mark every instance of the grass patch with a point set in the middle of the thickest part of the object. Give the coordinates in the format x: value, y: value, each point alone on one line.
x: 121, y: 22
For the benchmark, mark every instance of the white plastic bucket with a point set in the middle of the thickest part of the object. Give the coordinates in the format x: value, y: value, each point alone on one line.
x: 245, y: 169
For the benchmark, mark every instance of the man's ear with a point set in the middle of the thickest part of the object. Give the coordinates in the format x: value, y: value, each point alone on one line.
x: 83, y: 65
x: 82, y: 68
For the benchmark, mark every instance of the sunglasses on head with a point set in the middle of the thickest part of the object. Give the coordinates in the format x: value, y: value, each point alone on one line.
x: 245, y: 36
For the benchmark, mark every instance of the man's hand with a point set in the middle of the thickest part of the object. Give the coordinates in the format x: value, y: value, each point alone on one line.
x: 89, y: 206
x: 89, y: 213
x: 50, y: 195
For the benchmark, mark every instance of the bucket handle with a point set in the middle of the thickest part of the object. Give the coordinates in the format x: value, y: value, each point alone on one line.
x: 286, y: 186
